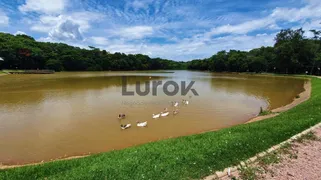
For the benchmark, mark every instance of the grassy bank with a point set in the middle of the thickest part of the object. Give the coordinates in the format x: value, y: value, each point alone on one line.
x: 3, y: 73
x: 190, y: 157
x: 11, y: 70
x: 6, y: 71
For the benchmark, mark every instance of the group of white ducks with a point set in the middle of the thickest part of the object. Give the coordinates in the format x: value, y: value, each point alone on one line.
x: 154, y: 116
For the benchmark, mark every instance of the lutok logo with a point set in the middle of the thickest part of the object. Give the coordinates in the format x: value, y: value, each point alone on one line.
x: 166, y: 88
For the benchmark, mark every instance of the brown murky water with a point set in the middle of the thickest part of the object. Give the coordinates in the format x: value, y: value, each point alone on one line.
x: 44, y: 117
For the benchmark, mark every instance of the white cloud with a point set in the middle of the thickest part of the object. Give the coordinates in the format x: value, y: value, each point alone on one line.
x: 20, y: 32
x: 84, y: 19
x: 307, y: 26
x: 44, y: 6
x: 204, y: 44
x: 125, y: 48
x: 48, y: 22
x: 312, y: 10
x: 243, y: 28
x: 314, y: 24
x: 71, y: 43
x: 139, y: 4
x: 188, y: 49
x: 41, y: 28
x: 66, y: 30
x: 99, y: 40
x: 134, y: 32
x: 66, y: 27
x: 188, y: 33
x: 4, y: 19
x: 46, y: 39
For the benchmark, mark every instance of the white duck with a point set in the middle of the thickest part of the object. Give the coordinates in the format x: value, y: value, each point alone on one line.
x: 185, y: 102
x: 164, y: 114
x: 125, y: 126
x: 175, y: 104
x: 141, y: 124
x: 155, y: 116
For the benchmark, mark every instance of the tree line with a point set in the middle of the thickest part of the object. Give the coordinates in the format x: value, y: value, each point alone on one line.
x: 292, y: 53
x: 23, y: 52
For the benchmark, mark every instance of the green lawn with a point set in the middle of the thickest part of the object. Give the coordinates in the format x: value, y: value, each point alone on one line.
x: 3, y: 72
x: 189, y: 157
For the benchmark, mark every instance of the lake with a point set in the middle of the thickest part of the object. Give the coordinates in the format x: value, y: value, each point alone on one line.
x: 44, y: 117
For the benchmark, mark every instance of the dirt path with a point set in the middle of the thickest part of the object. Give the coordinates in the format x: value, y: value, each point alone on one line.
x: 300, y: 161
x: 306, y: 166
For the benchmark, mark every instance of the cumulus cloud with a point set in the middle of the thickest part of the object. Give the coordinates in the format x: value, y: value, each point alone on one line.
x: 4, y: 19
x: 44, y: 6
x: 67, y: 27
x: 66, y: 30
x: 84, y: 18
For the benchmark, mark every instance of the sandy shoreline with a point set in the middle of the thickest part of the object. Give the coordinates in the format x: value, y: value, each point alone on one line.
x: 39, y: 163
x: 303, y: 96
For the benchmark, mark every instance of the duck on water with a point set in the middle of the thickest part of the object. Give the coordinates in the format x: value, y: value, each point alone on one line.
x: 121, y: 116
x: 154, y: 116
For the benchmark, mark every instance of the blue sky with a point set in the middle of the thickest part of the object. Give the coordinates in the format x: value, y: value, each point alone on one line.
x: 173, y: 29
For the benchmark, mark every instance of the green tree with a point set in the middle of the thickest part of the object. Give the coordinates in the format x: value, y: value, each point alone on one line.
x: 54, y: 65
